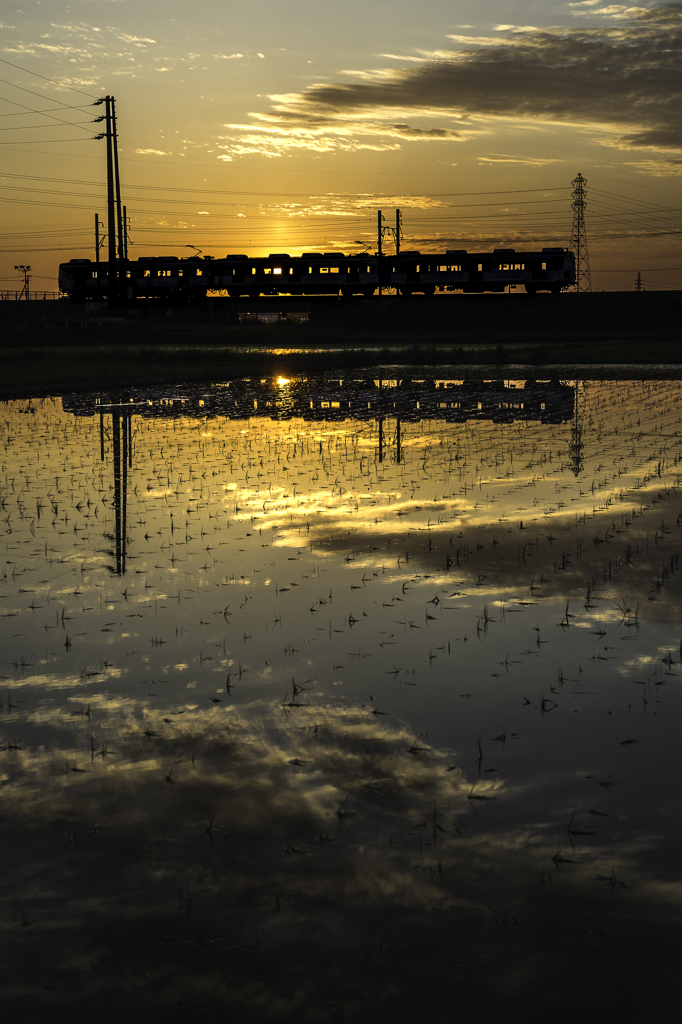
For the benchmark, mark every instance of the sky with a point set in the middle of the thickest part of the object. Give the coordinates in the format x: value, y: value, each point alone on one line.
x: 268, y: 127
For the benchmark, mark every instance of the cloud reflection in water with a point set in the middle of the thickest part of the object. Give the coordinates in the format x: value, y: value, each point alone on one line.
x: 347, y: 738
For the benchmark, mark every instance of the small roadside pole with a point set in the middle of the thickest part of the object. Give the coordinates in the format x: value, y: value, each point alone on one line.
x: 26, y: 271
x: 380, y: 238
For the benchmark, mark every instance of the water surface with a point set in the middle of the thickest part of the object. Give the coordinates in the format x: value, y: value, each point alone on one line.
x: 335, y: 699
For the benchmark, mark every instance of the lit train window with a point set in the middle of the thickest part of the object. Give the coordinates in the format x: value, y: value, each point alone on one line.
x: 147, y: 273
x: 200, y: 273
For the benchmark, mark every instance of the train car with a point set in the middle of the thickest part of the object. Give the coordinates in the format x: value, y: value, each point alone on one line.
x: 171, y: 279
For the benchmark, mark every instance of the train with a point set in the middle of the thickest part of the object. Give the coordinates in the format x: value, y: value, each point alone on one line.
x: 191, y: 279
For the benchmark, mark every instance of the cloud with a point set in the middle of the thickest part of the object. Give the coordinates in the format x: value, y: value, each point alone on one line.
x: 660, y: 168
x: 622, y: 80
x: 276, y: 133
x: 501, y: 158
x: 152, y: 152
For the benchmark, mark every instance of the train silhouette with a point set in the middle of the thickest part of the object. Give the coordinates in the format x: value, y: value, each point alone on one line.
x: 173, y: 279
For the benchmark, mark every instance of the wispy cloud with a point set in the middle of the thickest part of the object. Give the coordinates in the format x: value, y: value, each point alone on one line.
x: 529, y: 161
x: 620, y: 81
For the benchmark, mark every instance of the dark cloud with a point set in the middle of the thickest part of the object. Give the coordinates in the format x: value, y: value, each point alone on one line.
x: 624, y: 77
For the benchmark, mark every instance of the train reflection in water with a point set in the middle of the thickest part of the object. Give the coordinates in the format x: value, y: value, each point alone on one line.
x: 314, y: 399
x: 454, y: 401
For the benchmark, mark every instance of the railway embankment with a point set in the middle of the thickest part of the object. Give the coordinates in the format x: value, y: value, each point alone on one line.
x: 63, y: 344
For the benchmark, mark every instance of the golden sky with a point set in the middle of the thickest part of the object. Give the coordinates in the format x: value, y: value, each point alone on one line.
x: 265, y: 127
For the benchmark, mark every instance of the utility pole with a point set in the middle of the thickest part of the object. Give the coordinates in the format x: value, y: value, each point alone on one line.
x: 119, y: 216
x: 97, y: 238
x: 398, y: 231
x: 576, y: 444
x: 26, y: 271
x: 125, y: 235
x: 583, y: 281
x: 380, y: 258
x: 112, y: 277
x: 638, y: 282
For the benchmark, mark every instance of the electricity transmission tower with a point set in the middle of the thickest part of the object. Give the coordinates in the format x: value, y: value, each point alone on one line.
x: 576, y: 444
x: 583, y: 281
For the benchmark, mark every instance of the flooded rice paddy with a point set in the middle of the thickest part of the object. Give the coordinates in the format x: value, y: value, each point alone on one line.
x: 342, y: 700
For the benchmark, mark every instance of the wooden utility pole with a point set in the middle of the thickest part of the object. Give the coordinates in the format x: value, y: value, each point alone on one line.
x: 112, y: 276
x: 119, y: 215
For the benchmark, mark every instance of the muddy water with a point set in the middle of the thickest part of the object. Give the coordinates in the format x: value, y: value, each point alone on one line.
x: 338, y: 699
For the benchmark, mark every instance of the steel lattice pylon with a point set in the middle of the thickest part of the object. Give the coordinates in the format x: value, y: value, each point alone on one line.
x: 583, y: 281
x: 575, y: 447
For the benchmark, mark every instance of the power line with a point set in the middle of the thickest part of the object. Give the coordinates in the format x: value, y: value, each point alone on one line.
x: 655, y: 188
x: 51, y: 80
x: 209, y: 202
x: 16, y: 113
x: 28, y: 142
x: 33, y: 127
x: 630, y: 270
x: 60, y: 248
x: 30, y: 91
x: 32, y: 111
x: 370, y: 196
x: 627, y: 199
